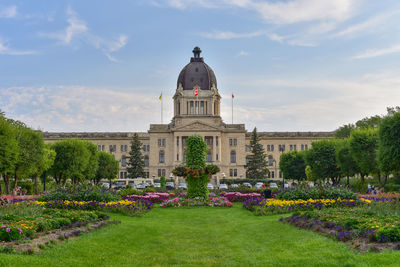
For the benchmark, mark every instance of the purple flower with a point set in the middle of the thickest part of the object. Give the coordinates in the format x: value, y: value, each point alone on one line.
x: 8, y: 230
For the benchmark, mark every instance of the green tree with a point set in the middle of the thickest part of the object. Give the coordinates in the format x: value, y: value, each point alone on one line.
x: 369, y: 122
x: 363, y: 146
x: 322, y: 160
x: 47, y: 161
x: 292, y: 165
x: 72, y: 158
x: 344, y: 131
x: 197, y: 179
x: 389, y: 145
x: 348, y: 166
x: 163, y: 181
x: 107, y: 167
x: 9, y: 152
x: 257, y: 166
x: 135, y: 163
x: 93, y: 163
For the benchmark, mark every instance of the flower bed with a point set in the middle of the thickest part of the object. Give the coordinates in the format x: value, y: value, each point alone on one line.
x: 127, y: 207
x: 363, y: 226
x: 26, y: 220
x: 154, y: 197
x: 239, y: 197
x: 261, y: 206
x: 191, y: 202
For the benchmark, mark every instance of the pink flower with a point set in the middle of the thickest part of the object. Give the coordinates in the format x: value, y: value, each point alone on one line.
x: 20, y: 230
x: 8, y: 230
x: 3, y: 226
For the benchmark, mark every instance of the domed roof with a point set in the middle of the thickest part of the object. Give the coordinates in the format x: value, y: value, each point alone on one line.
x: 197, y: 73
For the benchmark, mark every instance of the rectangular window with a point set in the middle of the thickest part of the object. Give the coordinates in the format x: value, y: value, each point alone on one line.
x: 272, y: 174
x: 177, y: 141
x: 123, y: 162
x: 121, y: 175
x: 268, y: 148
x: 126, y: 148
x: 235, y: 172
x: 306, y: 147
x: 235, y: 142
x: 209, y: 157
x: 163, y: 172
x: 294, y: 147
x: 230, y: 142
x: 144, y: 148
x: 202, y: 107
x: 161, y: 157
x: 122, y: 148
x: 148, y: 148
x: 291, y: 147
x: 159, y: 172
x: 99, y: 148
x: 197, y: 107
x: 302, y: 147
x: 216, y: 140
x: 230, y: 172
x: 191, y: 107
x: 272, y: 147
x: 103, y: 148
x: 111, y: 148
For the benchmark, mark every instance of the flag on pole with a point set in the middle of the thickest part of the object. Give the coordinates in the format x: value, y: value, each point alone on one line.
x: 233, y: 96
x: 160, y: 96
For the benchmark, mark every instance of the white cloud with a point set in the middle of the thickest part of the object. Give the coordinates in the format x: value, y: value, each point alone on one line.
x: 378, y: 52
x: 370, y: 25
x: 243, y: 53
x: 221, y: 35
x: 6, y: 50
x: 8, y: 12
x: 276, y: 37
x: 78, y: 28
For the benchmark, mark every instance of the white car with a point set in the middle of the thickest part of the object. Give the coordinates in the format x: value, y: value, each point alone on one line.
x: 259, y: 185
x: 182, y: 186
x: 223, y: 186
x: 170, y: 185
x: 247, y: 184
x: 106, y: 185
x: 210, y: 186
x: 132, y: 185
x: 157, y: 185
x: 141, y: 186
x: 234, y: 185
x: 273, y: 185
x: 286, y: 185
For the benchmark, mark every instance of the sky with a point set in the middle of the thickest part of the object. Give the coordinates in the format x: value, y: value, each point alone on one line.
x: 293, y: 65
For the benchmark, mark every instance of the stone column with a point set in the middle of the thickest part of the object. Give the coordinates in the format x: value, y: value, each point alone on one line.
x: 219, y: 148
x: 214, y: 151
x: 180, y: 148
x: 175, y: 149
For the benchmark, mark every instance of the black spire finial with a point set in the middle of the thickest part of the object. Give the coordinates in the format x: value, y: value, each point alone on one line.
x: 196, y: 52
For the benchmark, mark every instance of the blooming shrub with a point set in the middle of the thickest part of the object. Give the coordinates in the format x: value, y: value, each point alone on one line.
x: 155, y: 197
x: 239, y: 197
x: 316, y: 193
x: 191, y: 202
x: 127, y: 207
x: 261, y: 206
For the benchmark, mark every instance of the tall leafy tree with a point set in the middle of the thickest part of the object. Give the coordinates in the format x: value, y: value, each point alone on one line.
x: 322, y: 160
x: 344, y: 131
x: 46, y: 161
x: 257, y: 166
x: 72, y: 158
x: 9, y: 152
x: 363, y: 146
x: 293, y: 165
x: 107, y: 167
x: 135, y: 163
x: 93, y: 162
x: 389, y: 145
x: 348, y: 166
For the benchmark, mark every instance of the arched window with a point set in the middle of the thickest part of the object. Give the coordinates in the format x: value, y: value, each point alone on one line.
x: 146, y: 161
x: 123, y: 161
x: 270, y: 160
x: 233, y: 156
x: 161, y: 157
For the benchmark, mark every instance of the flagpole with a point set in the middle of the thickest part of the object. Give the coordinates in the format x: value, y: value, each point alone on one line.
x: 232, y: 108
x: 161, y: 109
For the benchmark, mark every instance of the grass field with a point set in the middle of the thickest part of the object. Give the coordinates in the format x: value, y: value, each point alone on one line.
x: 201, y: 237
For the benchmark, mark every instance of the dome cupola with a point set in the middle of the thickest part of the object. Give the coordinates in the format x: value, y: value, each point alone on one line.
x: 197, y: 73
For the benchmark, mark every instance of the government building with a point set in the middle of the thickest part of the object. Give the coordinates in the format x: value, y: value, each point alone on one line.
x: 196, y: 111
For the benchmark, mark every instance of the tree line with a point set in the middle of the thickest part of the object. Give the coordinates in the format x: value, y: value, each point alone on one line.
x: 25, y: 156
x: 370, y: 147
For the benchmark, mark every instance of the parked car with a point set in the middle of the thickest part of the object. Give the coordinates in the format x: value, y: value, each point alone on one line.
x: 286, y: 185
x: 210, y: 186
x: 259, y: 185
x: 157, y: 185
x: 182, y: 186
x: 132, y: 185
x: 273, y: 185
x: 118, y: 185
x: 106, y: 185
x: 170, y: 185
x: 141, y: 186
x: 234, y: 185
x: 223, y: 186
x: 247, y: 184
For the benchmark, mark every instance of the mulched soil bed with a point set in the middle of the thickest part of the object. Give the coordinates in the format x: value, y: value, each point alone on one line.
x: 340, y: 233
x: 30, y: 246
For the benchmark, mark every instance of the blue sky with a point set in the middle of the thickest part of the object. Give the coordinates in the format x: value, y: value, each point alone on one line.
x: 293, y: 65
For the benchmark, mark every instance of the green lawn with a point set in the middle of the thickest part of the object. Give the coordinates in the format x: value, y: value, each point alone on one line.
x: 201, y: 237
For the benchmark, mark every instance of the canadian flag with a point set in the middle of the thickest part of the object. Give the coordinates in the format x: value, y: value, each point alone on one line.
x: 233, y: 96
x: 195, y: 91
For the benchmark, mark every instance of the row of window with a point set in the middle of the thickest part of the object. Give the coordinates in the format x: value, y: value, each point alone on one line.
x: 197, y: 107
x: 161, y: 172
x: 161, y: 142
x: 271, y: 174
x: 233, y: 172
x: 146, y: 148
x: 281, y: 148
x: 112, y: 148
x: 124, y: 175
x: 232, y: 142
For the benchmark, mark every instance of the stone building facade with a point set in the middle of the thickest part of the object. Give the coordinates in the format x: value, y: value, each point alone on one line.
x: 196, y: 111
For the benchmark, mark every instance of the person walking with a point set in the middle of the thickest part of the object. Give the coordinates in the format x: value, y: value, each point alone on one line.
x: 267, y: 193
